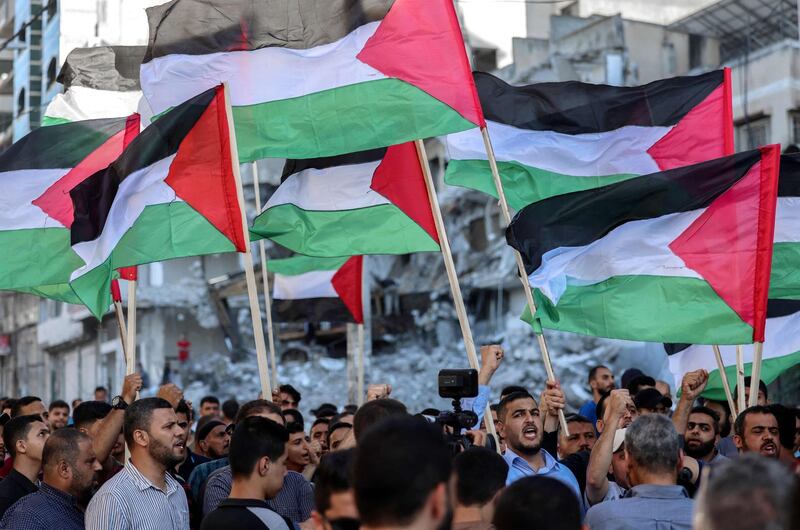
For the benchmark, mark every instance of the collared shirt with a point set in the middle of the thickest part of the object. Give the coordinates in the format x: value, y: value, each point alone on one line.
x: 192, y: 461
x: 518, y: 468
x: 13, y: 488
x: 478, y: 403
x: 295, y: 500
x: 45, y: 509
x: 129, y: 501
x: 644, y: 507
x: 201, y: 473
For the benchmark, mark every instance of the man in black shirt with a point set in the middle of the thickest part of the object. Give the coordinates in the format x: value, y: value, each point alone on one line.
x: 24, y: 438
x: 258, y: 463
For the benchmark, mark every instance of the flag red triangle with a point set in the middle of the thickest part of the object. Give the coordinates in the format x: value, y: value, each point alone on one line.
x: 399, y: 178
x: 347, y: 282
x: 202, y: 172
x: 420, y: 42
x: 730, y: 244
x: 56, y: 202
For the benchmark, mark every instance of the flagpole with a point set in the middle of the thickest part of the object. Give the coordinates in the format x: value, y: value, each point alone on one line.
x: 755, y: 373
x: 265, y: 285
x: 449, y: 265
x: 523, y: 275
x: 360, y: 365
x: 250, y: 276
x: 130, y: 353
x: 725, y: 385
x: 740, y: 402
x: 116, y: 296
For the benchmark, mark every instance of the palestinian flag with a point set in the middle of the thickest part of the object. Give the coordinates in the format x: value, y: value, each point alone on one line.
x: 372, y: 202
x: 172, y: 193
x: 310, y: 289
x: 556, y: 138
x: 782, y: 344
x: 99, y: 82
x: 678, y: 256
x: 314, y: 79
x: 36, y: 175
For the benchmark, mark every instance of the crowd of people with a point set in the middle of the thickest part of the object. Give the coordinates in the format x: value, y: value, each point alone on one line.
x: 633, y: 458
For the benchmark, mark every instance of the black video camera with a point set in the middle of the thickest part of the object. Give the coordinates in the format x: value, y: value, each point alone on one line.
x: 457, y: 384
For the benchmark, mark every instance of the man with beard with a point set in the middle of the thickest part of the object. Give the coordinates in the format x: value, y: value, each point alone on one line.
x: 756, y: 430
x: 581, y: 437
x: 521, y: 427
x: 70, y: 474
x: 212, y: 438
x: 401, y: 476
x: 702, y: 436
x: 601, y: 381
x: 144, y: 496
x: 185, y: 468
x: 726, y: 447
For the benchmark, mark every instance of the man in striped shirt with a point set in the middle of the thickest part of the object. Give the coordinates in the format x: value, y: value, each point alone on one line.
x: 143, y: 496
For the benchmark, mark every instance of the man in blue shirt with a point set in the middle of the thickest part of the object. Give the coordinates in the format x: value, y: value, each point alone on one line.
x: 521, y: 427
x: 601, y: 380
x: 70, y: 473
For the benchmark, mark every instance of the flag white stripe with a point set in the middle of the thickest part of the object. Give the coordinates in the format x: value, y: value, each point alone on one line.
x: 140, y: 189
x: 20, y: 188
x: 330, y: 189
x: 259, y: 76
x: 314, y: 284
x: 621, y: 151
x: 787, y: 220
x: 81, y: 103
x: 638, y: 247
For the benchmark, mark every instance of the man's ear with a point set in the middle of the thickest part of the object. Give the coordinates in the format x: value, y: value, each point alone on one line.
x: 438, y: 502
x: 21, y: 447
x: 738, y: 442
x: 501, y: 428
x: 599, y: 424
x: 263, y: 466
x: 317, y: 521
x: 681, y: 456
x: 64, y: 470
x: 141, y: 438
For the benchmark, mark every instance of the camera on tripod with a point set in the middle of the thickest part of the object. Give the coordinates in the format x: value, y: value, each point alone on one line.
x: 457, y: 384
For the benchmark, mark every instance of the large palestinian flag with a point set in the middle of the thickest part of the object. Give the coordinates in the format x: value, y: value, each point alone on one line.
x: 555, y: 138
x: 99, y: 82
x: 171, y: 194
x: 782, y: 342
x: 36, y: 175
x: 310, y: 289
x: 372, y: 202
x: 678, y: 256
x: 313, y: 79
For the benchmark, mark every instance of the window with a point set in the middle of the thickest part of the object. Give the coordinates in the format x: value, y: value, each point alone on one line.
x: 794, y: 119
x: 21, y: 103
x: 696, y: 45
x: 750, y: 135
x: 51, y: 72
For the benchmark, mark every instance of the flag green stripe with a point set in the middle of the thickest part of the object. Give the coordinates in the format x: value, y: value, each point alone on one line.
x: 770, y: 370
x: 342, y: 120
x: 382, y: 229
x: 297, y: 265
x: 645, y: 308
x: 50, y: 120
x: 35, y: 257
x: 522, y: 184
x: 785, y: 277
x: 61, y: 292
x: 162, y: 232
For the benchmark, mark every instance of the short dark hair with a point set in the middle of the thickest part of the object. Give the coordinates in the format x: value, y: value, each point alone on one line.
x: 139, y: 414
x: 58, y: 404
x: 320, y: 421
x: 512, y: 389
x: 372, y: 412
x: 292, y: 391
x: 294, y: 428
x: 514, y: 396
x: 229, y: 408
x: 209, y: 399
x: 184, y: 408
x: 254, y: 438
x: 22, y: 402
x: 63, y: 445
x: 399, y: 462
x: 17, y: 429
x: 101, y: 389
x: 710, y: 413
x: 332, y: 476
x: 738, y: 425
x: 636, y: 384
x: 335, y: 427
x: 257, y: 406
x: 293, y: 416
x: 480, y: 474
x: 89, y: 412
x: 537, y: 503
x: 600, y: 409
x: 593, y: 371
x: 762, y: 386
x: 786, y: 423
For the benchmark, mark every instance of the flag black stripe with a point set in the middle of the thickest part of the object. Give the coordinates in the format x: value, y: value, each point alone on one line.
x: 579, y: 218
x: 293, y: 166
x: 572, y: 107
x: 59, y: 146
x: 311, y: 310
x: 113, y: 68
x: 199, y: 27
x: 92, y: 198
x: 789, y: 180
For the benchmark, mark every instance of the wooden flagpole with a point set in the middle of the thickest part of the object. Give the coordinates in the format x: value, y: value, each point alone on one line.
x: 130, y: 353
x: 360, y: 365
x: 265, y: 285
x: 450, y: 267
x: 250, y: 276
x: 523, y: 275
x: 740, y: 402
x: 755, y: 373
x: 116, y: 296
x: 725, y: 384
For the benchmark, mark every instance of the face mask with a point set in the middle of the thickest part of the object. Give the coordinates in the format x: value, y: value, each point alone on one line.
x: 345, y: 523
